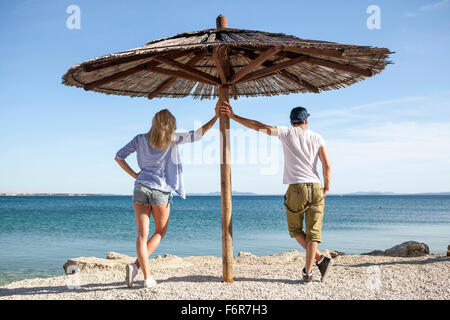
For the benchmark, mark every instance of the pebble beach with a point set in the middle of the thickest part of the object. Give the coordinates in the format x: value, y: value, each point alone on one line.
x: 274, y: 277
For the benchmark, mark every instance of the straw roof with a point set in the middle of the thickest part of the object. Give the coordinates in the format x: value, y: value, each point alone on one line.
x: 257, y: 63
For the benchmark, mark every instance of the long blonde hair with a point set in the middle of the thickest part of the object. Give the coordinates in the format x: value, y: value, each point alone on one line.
x: 161, y: 132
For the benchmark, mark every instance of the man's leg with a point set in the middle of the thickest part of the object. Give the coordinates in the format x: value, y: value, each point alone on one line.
x: 301, y: 239
x: 311, y: 254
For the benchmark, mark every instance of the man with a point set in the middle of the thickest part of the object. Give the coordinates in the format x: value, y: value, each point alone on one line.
x: 305, y: 197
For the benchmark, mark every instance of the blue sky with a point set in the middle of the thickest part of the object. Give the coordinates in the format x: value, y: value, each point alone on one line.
x: 388, y: 133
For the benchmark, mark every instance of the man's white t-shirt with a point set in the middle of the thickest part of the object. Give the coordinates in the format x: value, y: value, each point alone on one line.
x: 301, y: 152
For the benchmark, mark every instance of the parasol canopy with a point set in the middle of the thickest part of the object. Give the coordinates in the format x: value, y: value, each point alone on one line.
x: 260, y: 64
x: 224, y: 62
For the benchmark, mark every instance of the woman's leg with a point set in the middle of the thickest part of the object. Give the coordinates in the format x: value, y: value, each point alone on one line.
x: 142, y: 214
x: 161, y: 216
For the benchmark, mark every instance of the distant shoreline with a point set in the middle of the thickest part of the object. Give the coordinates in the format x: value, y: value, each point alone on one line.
x: 215, y: 194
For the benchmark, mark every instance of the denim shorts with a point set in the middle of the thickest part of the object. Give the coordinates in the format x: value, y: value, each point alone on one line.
x: 153, y: 197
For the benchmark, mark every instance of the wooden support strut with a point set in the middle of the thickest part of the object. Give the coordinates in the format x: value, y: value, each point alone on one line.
x: 188, y: 69
x: 167, y: 83
x: 347, y: 68
x: 179, y: 74
x: 266, y: 55
x: 273, y: 69
x: 93, y: 66
x: 291, y: 77
x: 342, y: 67
x: 122, y: 74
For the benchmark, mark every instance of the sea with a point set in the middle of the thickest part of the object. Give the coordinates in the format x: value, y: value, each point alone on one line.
x: 39, y: 233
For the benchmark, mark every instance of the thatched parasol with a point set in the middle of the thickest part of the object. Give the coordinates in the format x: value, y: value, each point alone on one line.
x: 225, y: 62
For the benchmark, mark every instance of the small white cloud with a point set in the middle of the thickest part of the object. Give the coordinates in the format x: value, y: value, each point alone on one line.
x: 429, y: 7
x: 351, y: 112
x: 435, y: 6
x: 393, y: 144
x: 410, y: 14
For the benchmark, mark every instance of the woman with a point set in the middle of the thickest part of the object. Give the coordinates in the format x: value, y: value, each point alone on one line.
x: 161, y: 173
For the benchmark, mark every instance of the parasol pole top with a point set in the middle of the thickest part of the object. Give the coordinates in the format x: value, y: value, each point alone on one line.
x: 221, y: 22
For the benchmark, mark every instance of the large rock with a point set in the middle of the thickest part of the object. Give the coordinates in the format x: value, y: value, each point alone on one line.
x: 116, y: 260
x: 113, y: 260
x: 405, y: 249
x: 85, y: 263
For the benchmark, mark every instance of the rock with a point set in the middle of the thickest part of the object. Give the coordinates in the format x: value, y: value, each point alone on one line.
x: 408, y: 249
x: 117, y: 256
x: 334, y: 254
x: 405, y: 249
x: 86, y: 263
x: 448, y: 251
x: 418, y: 250
x: 113, y: 260
x: 171, y: 261
x: 245, y: 254
x: 375, y: 253
x: 246, y: 258
x: 331, y: 254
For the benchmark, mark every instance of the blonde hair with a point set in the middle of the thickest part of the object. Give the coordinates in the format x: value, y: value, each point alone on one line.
x: 161, y: 132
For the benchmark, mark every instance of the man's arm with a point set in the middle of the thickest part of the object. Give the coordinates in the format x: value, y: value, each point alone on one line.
x: 326, y: 169
x: 225, y: 108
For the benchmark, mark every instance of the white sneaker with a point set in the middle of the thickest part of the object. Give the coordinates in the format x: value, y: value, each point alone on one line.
x: 150, y: 282
x: 130, y: 273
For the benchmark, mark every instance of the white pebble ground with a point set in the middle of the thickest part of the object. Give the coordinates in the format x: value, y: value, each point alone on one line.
x: 269, y: 277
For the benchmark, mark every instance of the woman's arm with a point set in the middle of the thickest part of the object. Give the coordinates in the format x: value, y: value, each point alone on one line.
x: 211, y: 122
x: 123, y: 153
x: 124, y: 165
x: 195, y: 135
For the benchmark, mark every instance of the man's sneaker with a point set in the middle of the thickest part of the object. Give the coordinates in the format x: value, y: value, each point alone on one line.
x: 307, y: 278
x: 150, y: 282
x: 324, y: 266
x: 131, y: 272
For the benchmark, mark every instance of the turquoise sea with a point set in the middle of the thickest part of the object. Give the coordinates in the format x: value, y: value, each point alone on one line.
x: 38, y: 234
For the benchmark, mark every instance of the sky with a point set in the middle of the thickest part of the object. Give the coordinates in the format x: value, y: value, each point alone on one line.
x: 388, y: 133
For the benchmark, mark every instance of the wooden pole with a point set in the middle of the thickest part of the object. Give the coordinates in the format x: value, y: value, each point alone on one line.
x: 221, y: 22
x: 225, y: 178
x: 225, y: 189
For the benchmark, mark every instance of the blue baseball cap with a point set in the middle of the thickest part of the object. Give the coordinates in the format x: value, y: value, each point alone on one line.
x: 299, y: 115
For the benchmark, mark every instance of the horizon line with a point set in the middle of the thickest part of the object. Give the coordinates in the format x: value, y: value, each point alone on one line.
x: 217, y: 193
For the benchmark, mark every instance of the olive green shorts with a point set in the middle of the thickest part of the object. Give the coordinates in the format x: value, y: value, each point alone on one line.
x: 298, y: 208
